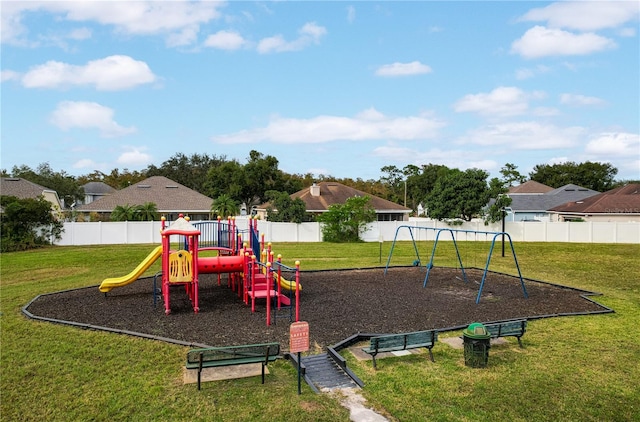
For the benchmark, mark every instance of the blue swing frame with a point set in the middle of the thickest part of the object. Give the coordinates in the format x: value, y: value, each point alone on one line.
x: 453, y: 233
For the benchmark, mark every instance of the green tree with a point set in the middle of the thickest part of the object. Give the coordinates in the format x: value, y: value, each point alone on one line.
x: 420, y: 184
x: 284, y: 209
x: 346, y: 222
x: 393, y: 180
x: 67, y: 187
x: 226, y: 179
x: 27, y: 223
x: 124, y: 213
x: 459, y: 195
x: 190, y: 171
x: 497, y: 191
x: 262, y: 175
x: 597, y: 176
x: 248, y: 183
x: 146, y: 212
x: 510, y: 174
x: 225, y: 206
x: 116, y: 179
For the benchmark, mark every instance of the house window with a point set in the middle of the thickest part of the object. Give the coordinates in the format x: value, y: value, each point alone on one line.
x: 390, y: 217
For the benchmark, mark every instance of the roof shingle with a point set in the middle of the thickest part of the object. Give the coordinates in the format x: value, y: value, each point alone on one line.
x: 337, y: 193
x: 622, y: 200
x: 169, y: 196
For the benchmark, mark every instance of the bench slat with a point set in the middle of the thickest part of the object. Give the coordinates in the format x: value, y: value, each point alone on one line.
x: 230, y: 362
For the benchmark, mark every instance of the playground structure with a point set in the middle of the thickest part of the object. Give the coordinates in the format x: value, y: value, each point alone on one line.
x: 252, y: 272
x: 454, y: 232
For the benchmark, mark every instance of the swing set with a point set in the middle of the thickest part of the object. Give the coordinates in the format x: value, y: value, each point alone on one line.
x: 454, y: 233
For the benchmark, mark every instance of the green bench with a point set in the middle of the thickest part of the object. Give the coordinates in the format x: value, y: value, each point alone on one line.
x: 232, y: 355
x: 403, y: 341
x: 515, y: 328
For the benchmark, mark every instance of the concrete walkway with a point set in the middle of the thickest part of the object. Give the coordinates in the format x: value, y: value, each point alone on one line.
x: 352, y: 400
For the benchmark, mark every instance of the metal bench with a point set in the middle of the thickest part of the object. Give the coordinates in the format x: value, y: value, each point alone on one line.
x: 232, y: 355
x: 403, y: 341
x: 515, y: 328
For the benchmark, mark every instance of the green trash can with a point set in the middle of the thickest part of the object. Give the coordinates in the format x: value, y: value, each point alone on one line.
x: 476, y: 345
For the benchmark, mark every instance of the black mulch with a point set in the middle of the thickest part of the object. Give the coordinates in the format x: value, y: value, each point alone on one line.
x: 336, y: 304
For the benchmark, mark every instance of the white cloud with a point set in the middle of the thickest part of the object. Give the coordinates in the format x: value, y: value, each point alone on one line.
x: 528, y: 73
x: 109, y: 74
x: 557, y: 160
x: 351, y: 14
x: 310, y: 33
x: 314, y: 31
x: 88, y: 115
x: 403, y: 69
x: 609, y: 145
x: 171, y: 18
x: 545, y: 111
x: 627, y: 32
x: 540, y: 41
x: 85, y: 163
x: 79, y: 34
x: 580, y: 100
x: 585, y: 15
x: 225, y: 40
x: 461, y: 158
x: 527, y: 135
x: 134, y: 157
x: 366, y: 126
x: 11, y: 28
x: 186, y: 36
x: 318, y: 171
x: 9, y: 75
x: 501, y: 102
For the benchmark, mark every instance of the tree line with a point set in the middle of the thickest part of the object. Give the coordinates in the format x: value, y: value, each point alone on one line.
x: 249, y: 182
x: 445, y: 193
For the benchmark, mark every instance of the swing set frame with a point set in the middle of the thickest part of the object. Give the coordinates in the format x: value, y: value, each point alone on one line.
x: 454, y: 232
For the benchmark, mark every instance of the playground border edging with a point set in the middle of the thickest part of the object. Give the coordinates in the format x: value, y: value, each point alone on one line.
x: 335, y: 347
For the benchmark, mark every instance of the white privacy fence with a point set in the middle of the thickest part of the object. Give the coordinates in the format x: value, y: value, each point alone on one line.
x: 107, y: 233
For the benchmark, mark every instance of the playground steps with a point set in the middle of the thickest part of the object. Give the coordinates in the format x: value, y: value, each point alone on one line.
x: 262, y: 294
x: 260, y: 290
x: 324, y: 373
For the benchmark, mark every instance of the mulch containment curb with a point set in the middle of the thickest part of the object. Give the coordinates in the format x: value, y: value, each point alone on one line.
x: 585, y: 294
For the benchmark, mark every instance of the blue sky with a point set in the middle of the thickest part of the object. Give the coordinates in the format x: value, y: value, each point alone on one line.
x: 334, y: 88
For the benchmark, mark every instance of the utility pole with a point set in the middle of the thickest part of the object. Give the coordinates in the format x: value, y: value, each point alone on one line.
x: 405, y: 193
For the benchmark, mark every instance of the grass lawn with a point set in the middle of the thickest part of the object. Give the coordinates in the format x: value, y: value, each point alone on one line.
x: 583, y: 368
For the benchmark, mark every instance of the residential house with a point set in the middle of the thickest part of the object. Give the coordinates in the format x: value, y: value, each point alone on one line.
x: 24, y: 189
x: 96, y: 190
x: 620, y: 205
x: 171, y: 199
x: 320, y: 196
x: 532, y: 200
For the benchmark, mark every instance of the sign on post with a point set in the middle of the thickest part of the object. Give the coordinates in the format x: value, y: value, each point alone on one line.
x: 299, y: 342
x: 299, y: 337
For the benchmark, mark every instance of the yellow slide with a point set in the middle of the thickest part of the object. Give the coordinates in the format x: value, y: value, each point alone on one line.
x: 110, y: 283
x: 286, y: 284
